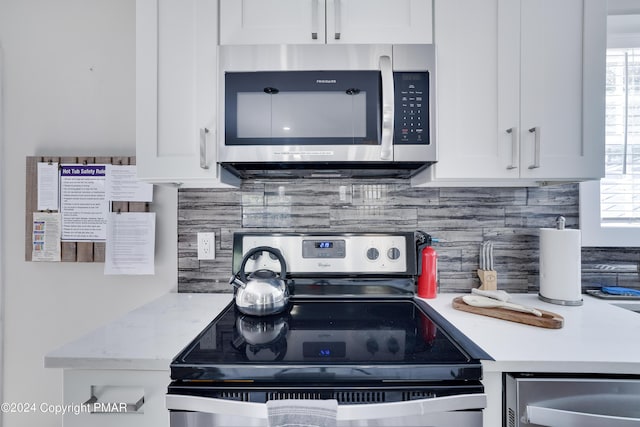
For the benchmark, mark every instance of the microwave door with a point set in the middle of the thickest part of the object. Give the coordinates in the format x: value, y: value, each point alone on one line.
x: 303, y: 116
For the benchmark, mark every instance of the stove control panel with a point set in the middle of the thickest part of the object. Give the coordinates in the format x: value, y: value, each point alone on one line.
x: 340, y: 254
x: 324, y: 248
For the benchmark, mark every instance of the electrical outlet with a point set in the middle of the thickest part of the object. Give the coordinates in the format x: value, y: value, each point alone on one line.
x: 206, y: 246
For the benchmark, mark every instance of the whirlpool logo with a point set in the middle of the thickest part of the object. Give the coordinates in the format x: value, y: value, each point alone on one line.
x: 326, y: 81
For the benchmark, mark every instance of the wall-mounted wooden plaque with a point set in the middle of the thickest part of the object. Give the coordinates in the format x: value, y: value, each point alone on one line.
x: 71, y: 251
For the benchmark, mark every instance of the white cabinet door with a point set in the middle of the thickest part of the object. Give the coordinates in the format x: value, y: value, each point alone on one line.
x: 325, y: 21
x: 272, y: 22
x: 468, y: 139
x: 379, y: 21
x: 520, y: 92
x: 559, y: 73
x: 176, y: 81
x: 107, y: 398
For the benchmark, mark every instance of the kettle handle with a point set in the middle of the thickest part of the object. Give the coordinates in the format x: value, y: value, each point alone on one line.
x: 260, y: 249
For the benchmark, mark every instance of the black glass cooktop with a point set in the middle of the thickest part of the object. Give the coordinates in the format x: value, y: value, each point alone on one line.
x: 331, y: 340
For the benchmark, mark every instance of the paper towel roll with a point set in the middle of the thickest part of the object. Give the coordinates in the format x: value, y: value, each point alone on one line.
x: 560, y: 266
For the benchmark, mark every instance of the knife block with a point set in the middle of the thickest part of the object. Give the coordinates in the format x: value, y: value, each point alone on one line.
x: 488, y: 280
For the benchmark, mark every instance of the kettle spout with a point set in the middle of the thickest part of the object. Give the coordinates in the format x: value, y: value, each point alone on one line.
x: 236, y: 283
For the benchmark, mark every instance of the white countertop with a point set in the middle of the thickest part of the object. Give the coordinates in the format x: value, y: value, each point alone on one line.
x: 596, y: 337
x: 147, y: 338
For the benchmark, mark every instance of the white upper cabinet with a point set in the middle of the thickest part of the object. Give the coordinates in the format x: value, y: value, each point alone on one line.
x: 467, y: 138
x: 325, y: 21
x: 272, y: 22
x: 379, y: 21
x: 520, y: 92
x: 176, y: 81
x: 560, y: 136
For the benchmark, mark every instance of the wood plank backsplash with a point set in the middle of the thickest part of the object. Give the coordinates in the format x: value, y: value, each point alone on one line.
x: 461, y: 217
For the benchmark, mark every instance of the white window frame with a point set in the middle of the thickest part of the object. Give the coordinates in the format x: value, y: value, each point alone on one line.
x: 593, y: 232
x: 596, y: 234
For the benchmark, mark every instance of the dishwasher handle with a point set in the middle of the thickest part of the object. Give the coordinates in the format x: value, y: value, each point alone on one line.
x: 345, y: 412
x: 584, y: 411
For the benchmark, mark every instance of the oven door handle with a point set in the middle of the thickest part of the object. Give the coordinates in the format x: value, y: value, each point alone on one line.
x: 367, y: 411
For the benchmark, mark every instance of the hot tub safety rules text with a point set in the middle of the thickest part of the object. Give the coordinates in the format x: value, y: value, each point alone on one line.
x: 83, y: 204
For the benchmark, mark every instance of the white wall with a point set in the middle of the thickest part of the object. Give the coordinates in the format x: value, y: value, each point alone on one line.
x: 69, y: 89
x: 1, y: 218
x: 622, y: 7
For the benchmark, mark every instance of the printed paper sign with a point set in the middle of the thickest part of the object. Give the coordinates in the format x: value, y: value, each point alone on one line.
x: 46, y: 237
x: 123, y: 185
x: 48, y: 186
x: 83, y: 205
x: 130, y: 243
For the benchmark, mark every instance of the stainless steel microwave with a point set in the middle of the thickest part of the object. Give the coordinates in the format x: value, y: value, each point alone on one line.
x: 300, y: 122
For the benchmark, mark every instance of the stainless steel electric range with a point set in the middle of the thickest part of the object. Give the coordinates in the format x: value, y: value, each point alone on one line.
x: 352, y: 331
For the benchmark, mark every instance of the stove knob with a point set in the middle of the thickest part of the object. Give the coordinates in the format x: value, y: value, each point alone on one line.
x: 393, y: 253
x: 392, y: 345
x: 373, y: 254
x: 372, y: 346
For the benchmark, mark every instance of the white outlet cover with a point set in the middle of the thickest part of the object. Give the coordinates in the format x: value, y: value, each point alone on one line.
x: 206, y: 246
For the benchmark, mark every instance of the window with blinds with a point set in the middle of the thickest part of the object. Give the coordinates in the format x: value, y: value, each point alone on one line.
x: 620, y: 188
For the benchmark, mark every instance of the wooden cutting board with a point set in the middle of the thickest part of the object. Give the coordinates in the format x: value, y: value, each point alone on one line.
x: 548, y: 320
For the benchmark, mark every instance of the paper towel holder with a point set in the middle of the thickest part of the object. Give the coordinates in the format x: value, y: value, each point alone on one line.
x: 573, y: 303
x: 553, y: 296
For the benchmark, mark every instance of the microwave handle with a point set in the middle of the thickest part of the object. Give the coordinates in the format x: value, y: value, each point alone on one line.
x: 388, y: 112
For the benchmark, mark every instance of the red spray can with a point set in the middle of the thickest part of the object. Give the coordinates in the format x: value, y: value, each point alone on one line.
x: 428, y: 278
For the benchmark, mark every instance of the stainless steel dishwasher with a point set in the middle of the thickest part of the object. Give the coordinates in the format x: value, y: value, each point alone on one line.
x: 563, y: 401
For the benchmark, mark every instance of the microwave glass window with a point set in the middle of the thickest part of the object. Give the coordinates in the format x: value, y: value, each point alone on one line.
x: 301, y: 115
x: 300, y: 108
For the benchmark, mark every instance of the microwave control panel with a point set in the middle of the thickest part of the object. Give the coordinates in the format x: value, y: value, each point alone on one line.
x: 411, y: 107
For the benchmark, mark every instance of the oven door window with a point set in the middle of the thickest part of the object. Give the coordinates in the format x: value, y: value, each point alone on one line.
x: 302, y: 108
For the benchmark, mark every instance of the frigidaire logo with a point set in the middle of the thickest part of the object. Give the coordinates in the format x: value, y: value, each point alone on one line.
x: 325, y: 81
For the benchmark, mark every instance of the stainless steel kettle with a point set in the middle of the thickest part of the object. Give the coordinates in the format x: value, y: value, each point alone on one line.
x: 263, y: 292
